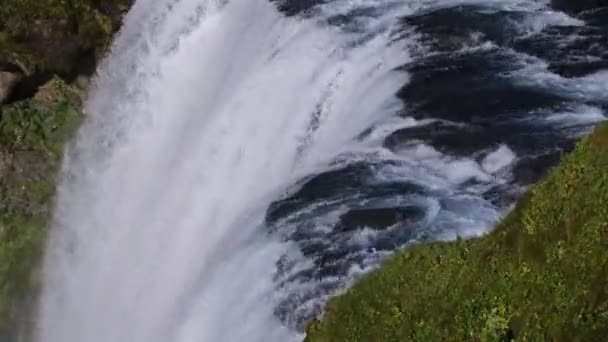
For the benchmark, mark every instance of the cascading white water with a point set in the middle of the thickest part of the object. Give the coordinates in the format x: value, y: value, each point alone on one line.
x: 204, y: 112
x: 175, y: 219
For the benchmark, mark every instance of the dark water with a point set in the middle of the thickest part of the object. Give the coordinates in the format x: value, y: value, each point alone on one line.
x: 497, y: 94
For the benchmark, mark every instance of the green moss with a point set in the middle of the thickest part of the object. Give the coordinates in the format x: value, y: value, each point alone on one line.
x: 40, y: 37
x: 32, y: 134
x: 53, y: 35
x: 541, y: 275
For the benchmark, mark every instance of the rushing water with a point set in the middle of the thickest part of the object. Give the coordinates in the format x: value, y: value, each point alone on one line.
x: 244, y: 160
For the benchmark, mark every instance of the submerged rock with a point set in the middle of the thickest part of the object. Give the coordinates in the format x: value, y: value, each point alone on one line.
x: 378, y: 218
x: 577, y: 6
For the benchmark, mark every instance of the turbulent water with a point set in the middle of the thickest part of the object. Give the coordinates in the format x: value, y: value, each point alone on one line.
x: 243, y: 160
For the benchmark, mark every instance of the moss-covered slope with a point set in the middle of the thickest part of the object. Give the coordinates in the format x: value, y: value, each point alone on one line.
x: 32, y: 135
x: 542, y: 275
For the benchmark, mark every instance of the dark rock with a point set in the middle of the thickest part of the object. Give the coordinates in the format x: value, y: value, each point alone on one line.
x: 7, y: 83
x: 445, y: 137
x: 313, y: 248
x: 333, y: 256
x: 424, y: 133
x: 596, y: 17
x: 28, y: 86
x: 467, y: 87
x: 577, y: 6
x: 467, y: 140
x: 450, y: 29
x: 570, y: 51
x: 379, y: 218
x: 331, y: 183
x: 295, y: 7
x: 394, y: 189
x: 323, y: 186
x: 531, y: 169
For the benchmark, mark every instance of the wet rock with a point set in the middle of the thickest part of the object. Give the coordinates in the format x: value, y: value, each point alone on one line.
x: 577, y: 6
x: 8, y: 81
x: 424, y: 133
x: 467, y: 87
x: 502, y: 195
x: 449, y: 29
x: 468, y: 140
x: 83, y: 82
x: 28, y: 86
x: 329, y: 184
x: 394, y: 189
x: 445, y: 137
x: 596, y: 17
x: 295, y: 7
x: 378, y: 218
x: 321, y: 187
x: 311, y: 248
x: 569, y: 51
x: 531, y: 169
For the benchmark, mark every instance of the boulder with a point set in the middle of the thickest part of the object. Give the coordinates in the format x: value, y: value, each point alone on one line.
x: 378, y: 218
x: 577, y: 6
x: 55, y: 91
x: 8, y: 81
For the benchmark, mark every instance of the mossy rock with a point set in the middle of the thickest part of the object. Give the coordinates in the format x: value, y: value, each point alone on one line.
x: 32, y: 136
x: 541, y: 275
x: 56, y: 36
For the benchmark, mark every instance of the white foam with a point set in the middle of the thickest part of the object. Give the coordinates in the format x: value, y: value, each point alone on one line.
x: 466, y: 217
x: 540, y: 20
x: 535, y: 74
x: 453, y: 170
x: 498, y: 159
x: 363, y: 237
x: 581, y: 115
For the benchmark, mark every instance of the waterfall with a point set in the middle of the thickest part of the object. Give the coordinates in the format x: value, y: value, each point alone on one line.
x: 243, y: 161
x: 204, y: 112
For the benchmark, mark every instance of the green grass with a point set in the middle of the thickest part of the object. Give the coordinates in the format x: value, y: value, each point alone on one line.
x: 32, y: 136
x: 541, y: 275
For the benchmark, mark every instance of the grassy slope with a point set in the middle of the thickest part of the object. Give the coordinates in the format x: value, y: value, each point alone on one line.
x: 32, y: 134
x: 541, y: 275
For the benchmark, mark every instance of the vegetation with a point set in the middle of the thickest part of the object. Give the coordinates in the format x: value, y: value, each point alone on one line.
x: 32, y: 134
x: 44, y: 45
x: 57, y: 35
x: 542, y: 275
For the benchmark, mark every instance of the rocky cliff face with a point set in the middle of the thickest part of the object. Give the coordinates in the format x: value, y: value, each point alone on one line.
x: 40, y: 39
